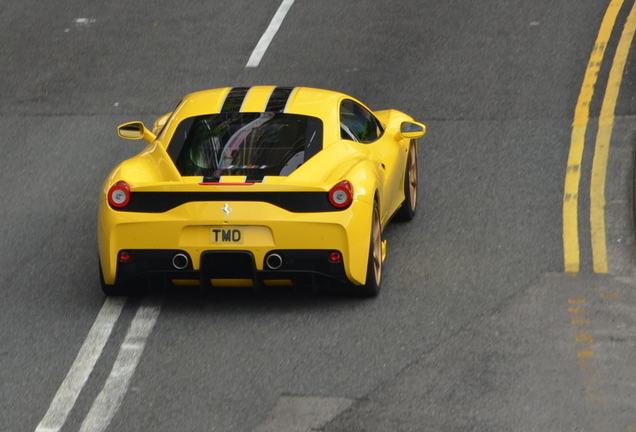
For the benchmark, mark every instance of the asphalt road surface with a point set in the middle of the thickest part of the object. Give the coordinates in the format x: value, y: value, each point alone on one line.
x: 478, y: 327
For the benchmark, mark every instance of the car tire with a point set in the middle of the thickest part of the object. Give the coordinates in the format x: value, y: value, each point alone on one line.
x: 371, y: 288
x: 406, y: 212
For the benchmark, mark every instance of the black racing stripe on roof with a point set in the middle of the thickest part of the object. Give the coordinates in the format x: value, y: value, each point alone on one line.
x: 295, y: 202
x: 278, y: 99
x: 234, y: 99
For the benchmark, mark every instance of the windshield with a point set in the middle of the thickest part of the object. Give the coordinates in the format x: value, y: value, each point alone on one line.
x: 244, y: 144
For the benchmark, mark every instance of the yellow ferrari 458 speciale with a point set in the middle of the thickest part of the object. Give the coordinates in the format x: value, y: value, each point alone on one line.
x: 258, y: 186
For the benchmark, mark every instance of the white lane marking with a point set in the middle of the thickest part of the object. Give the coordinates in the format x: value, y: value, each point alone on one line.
x: 82, y: 367
x: 266, y: 39
x: 109, y: 399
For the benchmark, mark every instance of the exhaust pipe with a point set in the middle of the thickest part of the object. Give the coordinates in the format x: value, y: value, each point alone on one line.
x: 180, y: 261
x: 274, y: 261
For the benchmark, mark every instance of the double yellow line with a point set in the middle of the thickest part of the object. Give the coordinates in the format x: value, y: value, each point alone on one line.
x: 571, y: 248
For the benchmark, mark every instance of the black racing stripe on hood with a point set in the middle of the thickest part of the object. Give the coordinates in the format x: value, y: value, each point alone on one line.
x: 234, y: 99
x: 278, y: 99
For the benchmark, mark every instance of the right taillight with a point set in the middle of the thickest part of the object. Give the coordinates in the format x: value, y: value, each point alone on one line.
x: 341, y: 195
x: 119, y: 194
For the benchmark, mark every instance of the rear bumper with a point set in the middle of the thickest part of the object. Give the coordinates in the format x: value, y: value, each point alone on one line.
x: 191, y: 229
x: 156, y: 268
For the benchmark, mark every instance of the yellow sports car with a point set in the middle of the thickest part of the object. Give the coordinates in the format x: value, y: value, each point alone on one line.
x: 258, y: 186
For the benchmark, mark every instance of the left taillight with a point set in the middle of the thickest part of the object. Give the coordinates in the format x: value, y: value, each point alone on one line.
x: 119, y: 194
x: 341, y: 195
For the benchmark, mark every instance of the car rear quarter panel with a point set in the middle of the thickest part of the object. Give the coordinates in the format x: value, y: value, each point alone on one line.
x: 152, y: 165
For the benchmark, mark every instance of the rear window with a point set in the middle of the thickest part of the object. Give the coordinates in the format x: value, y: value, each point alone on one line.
x: 245, y: 144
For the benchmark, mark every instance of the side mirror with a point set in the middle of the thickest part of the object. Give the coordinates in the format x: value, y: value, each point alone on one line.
x: 135, y: 130
x: 412, y: 130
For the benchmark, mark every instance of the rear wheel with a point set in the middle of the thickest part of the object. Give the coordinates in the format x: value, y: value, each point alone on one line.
x: 371, y: 288
x: 407, y: 210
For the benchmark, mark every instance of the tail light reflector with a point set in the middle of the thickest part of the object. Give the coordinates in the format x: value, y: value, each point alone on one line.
x: 335, y: 257
x: 124, y: 257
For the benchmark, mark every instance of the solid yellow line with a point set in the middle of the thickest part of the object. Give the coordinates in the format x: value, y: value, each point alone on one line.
x: 571, y: 249
x: 602, y: 147
x: 570, y: 200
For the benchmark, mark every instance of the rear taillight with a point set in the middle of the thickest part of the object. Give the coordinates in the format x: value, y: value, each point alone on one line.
x: 341, y: 195
x: 119, y: 194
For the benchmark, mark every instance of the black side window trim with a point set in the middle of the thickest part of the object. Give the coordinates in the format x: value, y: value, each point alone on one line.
x: 378, y: 125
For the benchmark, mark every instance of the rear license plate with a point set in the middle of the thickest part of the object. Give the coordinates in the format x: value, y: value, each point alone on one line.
x: 226, y: 235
